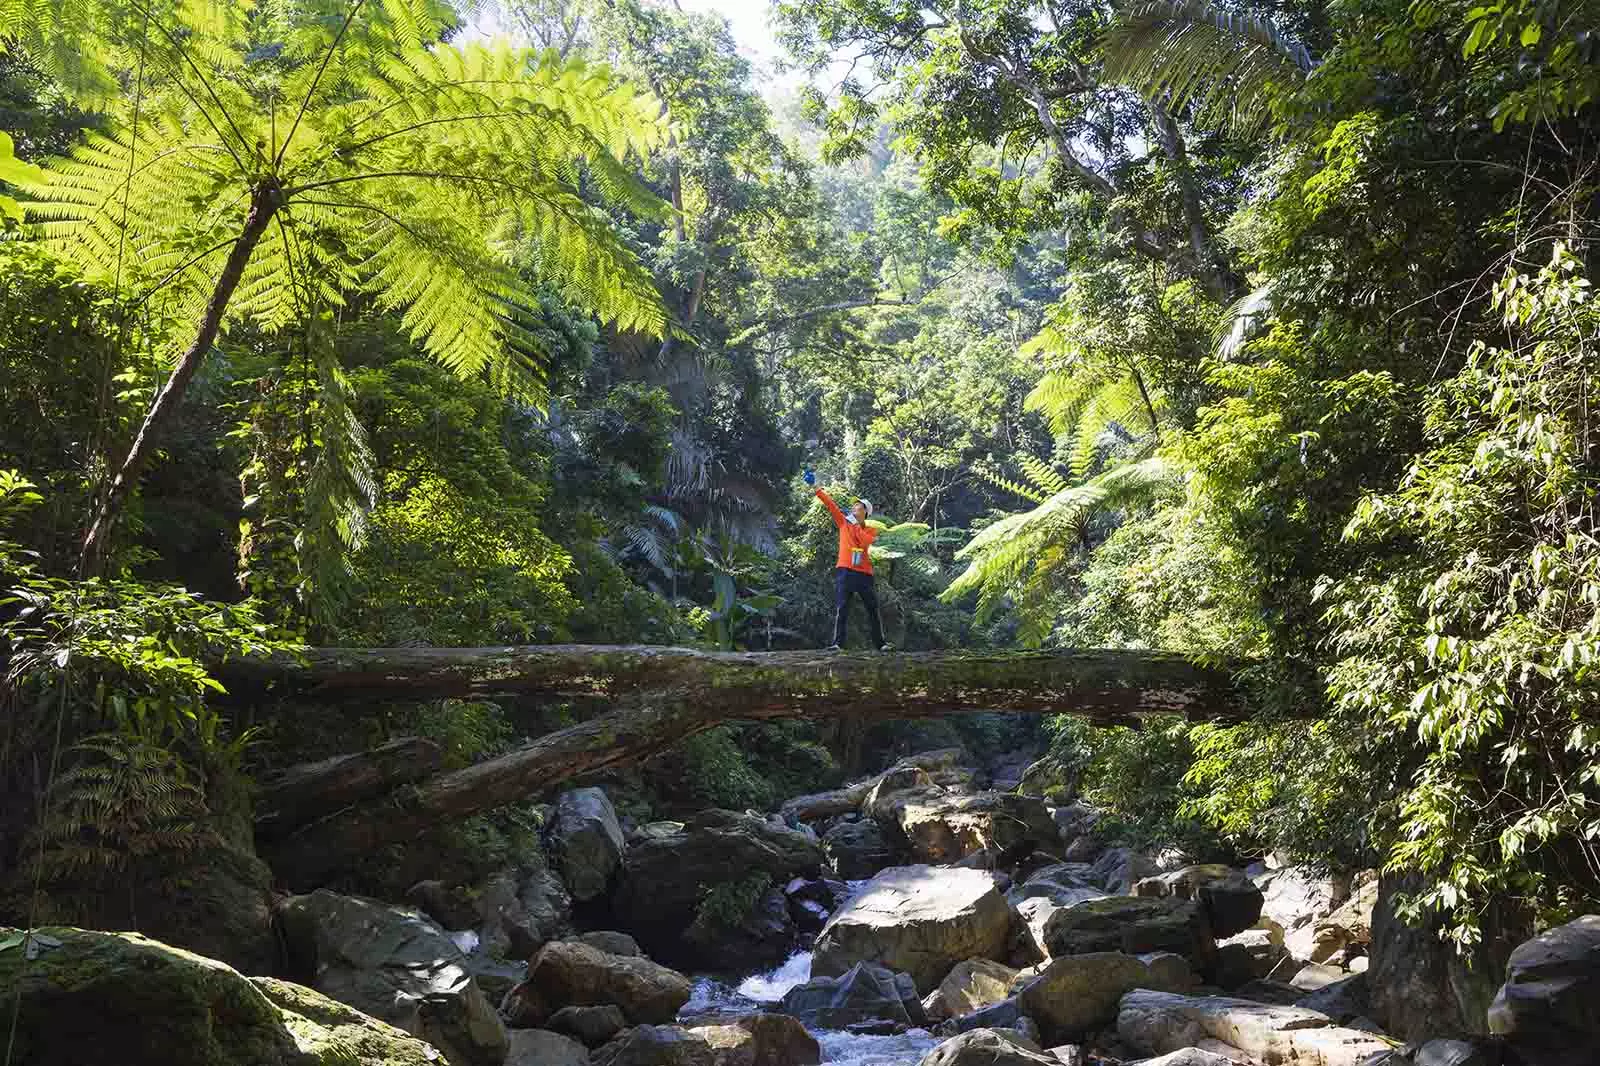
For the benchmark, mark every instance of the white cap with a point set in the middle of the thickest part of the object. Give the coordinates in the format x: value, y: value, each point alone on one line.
x: 867, y: 504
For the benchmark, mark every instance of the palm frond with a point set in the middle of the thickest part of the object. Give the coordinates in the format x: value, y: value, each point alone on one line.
x: 1241, y: 321
x: 1225, y: 65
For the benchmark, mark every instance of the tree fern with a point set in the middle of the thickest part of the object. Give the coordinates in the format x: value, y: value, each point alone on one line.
x: 1225, y: 65
x: 1024, y: 556
x: 272, y: 159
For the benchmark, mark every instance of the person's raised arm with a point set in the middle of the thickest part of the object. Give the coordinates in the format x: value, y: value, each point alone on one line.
x: 833, y: 508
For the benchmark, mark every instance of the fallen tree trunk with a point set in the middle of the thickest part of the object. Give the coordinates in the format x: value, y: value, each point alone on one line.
x: 308, y: 791
x: 667, y: 694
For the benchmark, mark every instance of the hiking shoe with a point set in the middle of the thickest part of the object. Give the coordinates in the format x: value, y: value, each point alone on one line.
x: 886, y: 647
x: 833, y: 647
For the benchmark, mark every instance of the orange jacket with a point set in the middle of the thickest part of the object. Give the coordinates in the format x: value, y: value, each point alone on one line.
x: 853, y: 539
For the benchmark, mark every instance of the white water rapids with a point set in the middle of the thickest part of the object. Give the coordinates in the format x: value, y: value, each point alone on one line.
x: 838, y: 1048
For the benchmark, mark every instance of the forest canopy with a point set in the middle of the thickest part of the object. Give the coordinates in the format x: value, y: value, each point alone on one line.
x: 1260, y: 333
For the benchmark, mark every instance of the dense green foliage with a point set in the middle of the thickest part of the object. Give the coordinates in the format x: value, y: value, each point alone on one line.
x: 1259, y: 333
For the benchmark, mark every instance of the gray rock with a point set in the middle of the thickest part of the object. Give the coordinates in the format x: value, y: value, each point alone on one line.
x: 988, y: 1047
x: 1161, y: 1022
x: 1444, y: 1051
x: 1315, y: 975
x: 1118, y: 869
x: 920, y: 920
x: 451, y: 906
x: 520, y: 910
x: 568, y: 973
x: 1077, y: 994
x: 655, y: 1045
x: 1083, y: 848
x: 611, y: 942
x: 397, y: 965
x: 974, y: 984
x: 865, y: 993
x: 942, y: 828
x: 1341, y: 1000
x: 540, y: 1047
x: 1548, y: 1010
x: 1294, y: 900
x: 1131, y: 925
x: 1248, y: 956
x: 592, y: 1025
x: 858, y: 850
x: 665, y: 878
x: 587, y: 842
x: 1232, y: 904
x: 1349, y: 925
x: 761, y: 1040
x: 1189, y: 1056
x: 763, y: 936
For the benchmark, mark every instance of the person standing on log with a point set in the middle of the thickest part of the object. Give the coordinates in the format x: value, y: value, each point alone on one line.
x: 852, y: 575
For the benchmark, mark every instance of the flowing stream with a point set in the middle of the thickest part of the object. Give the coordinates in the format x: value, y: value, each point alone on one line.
x: 758, y: 991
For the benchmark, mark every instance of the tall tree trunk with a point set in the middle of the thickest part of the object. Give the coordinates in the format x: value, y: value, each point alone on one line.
x: 1213, y: 272
x: 264, y: 204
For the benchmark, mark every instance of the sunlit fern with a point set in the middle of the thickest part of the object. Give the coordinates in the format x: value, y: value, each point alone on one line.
x: 1093, y: 414
x: 1022, y: 558
x: 1225, y: 65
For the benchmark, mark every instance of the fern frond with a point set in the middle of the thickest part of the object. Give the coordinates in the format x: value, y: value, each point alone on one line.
x: 1241, y: 321
x: 1028, y: 552
x: 1190, y: 54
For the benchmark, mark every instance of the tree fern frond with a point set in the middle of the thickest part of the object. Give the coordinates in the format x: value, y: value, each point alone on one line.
x: 1241, y: 321
x: 1028, y: 551
x: 1188, y: 53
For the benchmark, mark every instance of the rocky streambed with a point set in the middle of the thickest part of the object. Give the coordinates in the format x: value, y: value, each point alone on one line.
x: 910, y: 918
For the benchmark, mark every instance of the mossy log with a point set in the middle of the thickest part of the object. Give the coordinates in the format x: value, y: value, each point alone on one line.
x: 665, y: 694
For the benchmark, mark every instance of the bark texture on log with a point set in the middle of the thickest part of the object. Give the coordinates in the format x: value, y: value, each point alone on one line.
x: 308, y: 791
x: 666, y: 694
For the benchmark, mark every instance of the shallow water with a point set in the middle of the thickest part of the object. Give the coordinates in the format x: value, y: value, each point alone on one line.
x: 713, y: 997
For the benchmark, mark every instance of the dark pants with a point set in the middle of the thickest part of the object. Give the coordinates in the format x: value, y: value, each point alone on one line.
x: 846, y: 583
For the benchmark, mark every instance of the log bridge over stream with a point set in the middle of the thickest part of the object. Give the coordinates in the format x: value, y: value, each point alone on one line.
x: 316, y: 816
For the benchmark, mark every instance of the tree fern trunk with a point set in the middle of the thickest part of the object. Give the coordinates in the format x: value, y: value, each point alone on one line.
x: 264, y: 204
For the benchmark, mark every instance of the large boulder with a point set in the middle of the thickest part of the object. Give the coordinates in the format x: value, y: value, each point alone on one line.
x: 939, y: 827
x: 1231, y: 904
x: 975, y: 984
x: 667, y: 877
x: 1159, y: 1022
x: 762, y: 1040
x: 1062, y: 883
x: 587, y: 842
x: 569, y: 973
x: 396, y: 965
x: 1548, y: 1010
x: 988, y: 1047
x: 541, y: 1047
x: 858, y: 849
x: 864, y: 993
x: 1133, y: 925
x: 754, y: 937
x: 919, y: 920
x: 1252, y: 955
x: 120, y: 999
x: 1344, y: 1001
x: 1080, y: 993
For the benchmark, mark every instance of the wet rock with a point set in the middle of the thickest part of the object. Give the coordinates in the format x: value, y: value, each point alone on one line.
x: 1343, y: 1000
x: 568, y: 973
x: 83, y: 997
x: 587, y: 842
x: 611, y: 942
x: 864, y: 993
x: 1130, y: 925
x: 1079, y: 993
x: 988, y: 1047
x: 592, y: 1025
x: 655, y: 1045
x: 858, y: 850
x: 665, y: 879
x: 1350, y: 924
x: 540, y: 1047
x: 920, y: 920
x: 763, y: 936
x: 396, y: 965
x: 1161, y: 1022
x: 761, y: 1040
x: 810, y: 901
x: 975, y: 984
x: 1548, y: 1010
